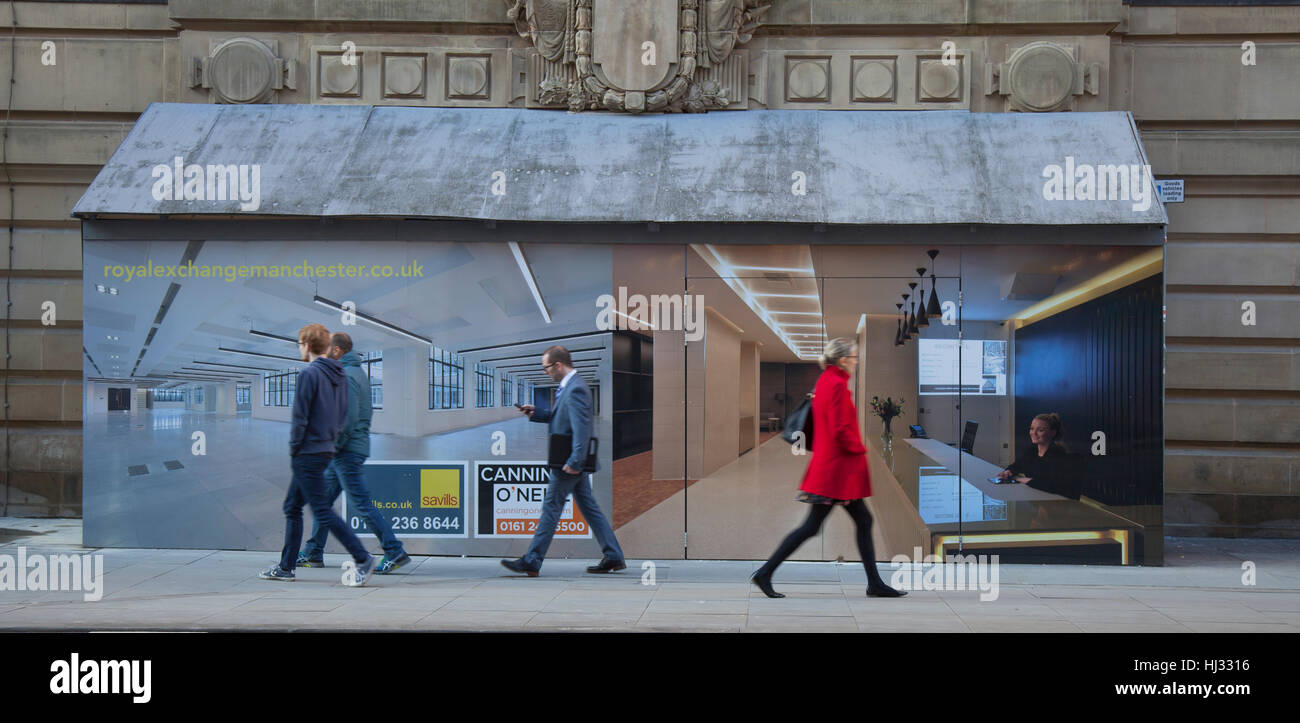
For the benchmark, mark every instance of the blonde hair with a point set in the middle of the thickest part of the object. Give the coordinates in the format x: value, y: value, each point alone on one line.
x: 1053, y: 422
x: 835, y: 350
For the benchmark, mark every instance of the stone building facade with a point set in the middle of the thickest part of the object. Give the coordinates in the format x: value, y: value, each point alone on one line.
x: 1214, y: 88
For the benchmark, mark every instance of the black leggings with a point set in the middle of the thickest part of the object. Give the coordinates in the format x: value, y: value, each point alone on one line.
x: 817, y: 514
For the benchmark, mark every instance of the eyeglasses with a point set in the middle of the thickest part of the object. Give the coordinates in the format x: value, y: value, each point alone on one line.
x: 547, y: 367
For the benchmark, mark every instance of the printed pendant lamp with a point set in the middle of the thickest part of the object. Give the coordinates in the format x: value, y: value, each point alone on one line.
x: 912, y: 329
x: 924, y: 321
x: 907, y: 334
x: 933, y: 310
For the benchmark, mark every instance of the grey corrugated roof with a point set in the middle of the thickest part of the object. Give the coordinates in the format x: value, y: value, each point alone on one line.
x: 878, y: 167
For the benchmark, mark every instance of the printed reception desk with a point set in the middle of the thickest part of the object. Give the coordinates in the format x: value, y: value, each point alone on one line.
x: 959, y: 510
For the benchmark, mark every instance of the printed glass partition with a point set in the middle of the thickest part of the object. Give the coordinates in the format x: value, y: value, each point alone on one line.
x: 695, y: 356
x: 769, y: 313
x: 969, y: 346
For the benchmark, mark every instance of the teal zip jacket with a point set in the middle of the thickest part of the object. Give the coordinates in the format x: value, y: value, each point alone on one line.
x: 355, y: 435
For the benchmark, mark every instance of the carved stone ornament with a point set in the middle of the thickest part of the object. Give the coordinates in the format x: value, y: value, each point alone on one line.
x: 647, y: 55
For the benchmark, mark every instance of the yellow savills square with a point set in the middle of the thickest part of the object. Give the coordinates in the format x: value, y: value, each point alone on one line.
x: 440, y: 488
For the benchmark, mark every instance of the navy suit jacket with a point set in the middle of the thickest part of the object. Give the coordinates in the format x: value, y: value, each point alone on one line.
x: 571, y: 415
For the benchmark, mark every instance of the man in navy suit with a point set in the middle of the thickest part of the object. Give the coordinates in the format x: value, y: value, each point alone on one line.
x: 571, y: 415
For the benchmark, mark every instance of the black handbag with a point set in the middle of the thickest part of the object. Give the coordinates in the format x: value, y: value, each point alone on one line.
x: 800, y: 420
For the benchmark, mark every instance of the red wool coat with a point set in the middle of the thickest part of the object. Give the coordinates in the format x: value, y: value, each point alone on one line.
x: 839, y: 460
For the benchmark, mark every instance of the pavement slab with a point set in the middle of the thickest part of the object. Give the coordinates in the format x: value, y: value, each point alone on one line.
x: 1199, y: 590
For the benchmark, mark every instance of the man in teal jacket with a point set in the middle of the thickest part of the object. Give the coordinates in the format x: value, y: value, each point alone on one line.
x: 344, y: 473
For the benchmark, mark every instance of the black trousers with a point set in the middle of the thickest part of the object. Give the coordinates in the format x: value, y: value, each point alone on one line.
x: 817, y: 514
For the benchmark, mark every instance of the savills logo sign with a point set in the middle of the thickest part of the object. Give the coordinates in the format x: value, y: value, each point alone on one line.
x: 439, y: 488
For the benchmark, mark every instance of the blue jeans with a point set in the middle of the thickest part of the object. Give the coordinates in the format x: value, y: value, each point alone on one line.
x: 557, y: 491
x: 344, y: 473
x: 308, y: 487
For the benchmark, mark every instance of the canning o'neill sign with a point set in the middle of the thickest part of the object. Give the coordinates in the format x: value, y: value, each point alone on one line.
x: 510, y: 498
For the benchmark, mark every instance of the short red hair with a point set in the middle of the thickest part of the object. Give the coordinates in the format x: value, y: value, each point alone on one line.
x: 316, y: 337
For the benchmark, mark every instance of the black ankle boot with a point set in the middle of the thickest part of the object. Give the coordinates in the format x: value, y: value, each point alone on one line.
x: 764, y: 582
x: 880, y: 589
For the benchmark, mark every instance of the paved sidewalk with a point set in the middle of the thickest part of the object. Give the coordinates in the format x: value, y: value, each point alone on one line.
x: 1199, y: 590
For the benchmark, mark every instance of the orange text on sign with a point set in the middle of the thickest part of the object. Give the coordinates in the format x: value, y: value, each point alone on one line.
x: 528, y: 527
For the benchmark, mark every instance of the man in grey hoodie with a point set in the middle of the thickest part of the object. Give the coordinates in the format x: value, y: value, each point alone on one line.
x: 345, y: 471
x: 320, y: 407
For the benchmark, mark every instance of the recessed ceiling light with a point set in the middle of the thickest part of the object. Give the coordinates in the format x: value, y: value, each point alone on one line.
x: 727, y: 273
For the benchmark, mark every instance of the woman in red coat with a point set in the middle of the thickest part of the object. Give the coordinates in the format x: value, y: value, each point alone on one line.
x: 838, y: 473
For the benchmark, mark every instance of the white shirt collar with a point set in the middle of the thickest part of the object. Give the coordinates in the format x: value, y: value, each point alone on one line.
x: 565, y: 381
